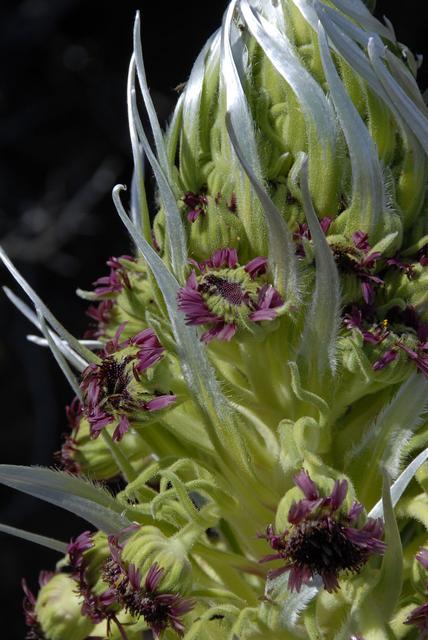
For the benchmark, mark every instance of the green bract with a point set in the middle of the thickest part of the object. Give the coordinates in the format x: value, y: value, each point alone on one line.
x: 257, y: 371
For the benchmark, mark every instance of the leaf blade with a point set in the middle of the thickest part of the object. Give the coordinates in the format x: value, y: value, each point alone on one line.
x: 43, y: 541
x: 68, y: 492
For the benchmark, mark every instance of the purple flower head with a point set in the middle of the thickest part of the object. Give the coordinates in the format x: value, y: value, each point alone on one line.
x: 196, y: 205
x: 360, y: 240
x: 34, y: 630
x: 419, y: 618
x: 144, y: 598
x: 423, y: 256
x: 100, y: 315
x: 115, y: 390
x: 303, y: 233
x: 406, y: 267
x: 386, y: 358
x: 323, y: 539
x: 95, y: 606
x: 419, y: 355
x: 117, y: 278
x: 76, y: 549
x: 226, y: 296
x: 354, y: 318
x: 66, y: 455
x: 359, y: 260
x: 422, y: 557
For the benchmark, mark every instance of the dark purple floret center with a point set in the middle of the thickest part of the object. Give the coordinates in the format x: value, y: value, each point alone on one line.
x: 325, y: 547
x: 154, y: 612
x: 230, y: 291
x: 113, y: 376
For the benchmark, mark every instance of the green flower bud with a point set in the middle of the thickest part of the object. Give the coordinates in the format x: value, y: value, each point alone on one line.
x: 58, y: 610
x: 358, y: 139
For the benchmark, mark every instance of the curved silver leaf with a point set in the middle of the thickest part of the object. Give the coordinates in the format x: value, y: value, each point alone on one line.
x: 68, y: 492
x: 368, y: 198
x: 236, y: 102
x: 71, y: 340
x: 139, y: 206
x: 281, y: 246
x: 148, y: 102
x: 192, y: 93
x: 43, y: 541
x: 176, y: 237
x: 74, y: 358
x: 359, y: 12
x: 411, y: 115
x: 279, y: 50
x: 62, y: 363
x: 401, y: 484
x: 319, y: 341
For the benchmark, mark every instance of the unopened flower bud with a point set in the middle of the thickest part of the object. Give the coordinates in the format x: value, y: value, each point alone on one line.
x: 58, y: 610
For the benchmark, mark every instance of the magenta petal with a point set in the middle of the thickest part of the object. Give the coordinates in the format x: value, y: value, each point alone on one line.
x: 160, y: 402
x: 360, y: 239
x: 368, y: 293
x: 256, y: 267
x: 355, y: 511
x: 299, y: 510
x: 134, y: 576
x: 263, y: 314
x: 298, y: 577
x: 307, y: 485
x: 338, y: 494
x: 121, y: 428
x: 370, y: 337
x: 419, y: 618
x: 384, y: 360
x: 153, y: 577
x: 220, y: 332
x: 422, y: 557
x: 224, y: 258
x: 330, y: 581
x: 193, y: 215
x: 325, y: 223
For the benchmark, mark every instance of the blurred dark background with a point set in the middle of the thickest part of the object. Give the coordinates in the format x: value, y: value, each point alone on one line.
x: 63, y: 145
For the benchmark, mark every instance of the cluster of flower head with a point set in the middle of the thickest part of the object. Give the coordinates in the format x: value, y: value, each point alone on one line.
x: 260, y: 362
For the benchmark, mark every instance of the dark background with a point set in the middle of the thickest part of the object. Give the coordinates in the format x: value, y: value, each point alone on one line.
x: 63, y: 145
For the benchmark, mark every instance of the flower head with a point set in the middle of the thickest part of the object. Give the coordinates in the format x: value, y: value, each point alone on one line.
x: 196, y: 205
x: 143, y: 598
x: 114, y: 389
x: 76, y: 549
x: 323, y: 539
x: 34, y: 630
x: 100, y: 315
x: 117, y: 278
x: 419, y: 616
x: 359, y: 260
x: 226, y: 296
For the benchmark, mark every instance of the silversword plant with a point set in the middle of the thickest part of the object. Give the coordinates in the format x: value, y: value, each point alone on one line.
x: 256, y: 371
